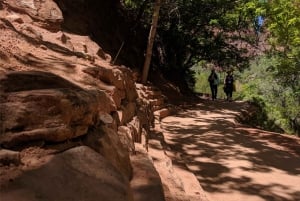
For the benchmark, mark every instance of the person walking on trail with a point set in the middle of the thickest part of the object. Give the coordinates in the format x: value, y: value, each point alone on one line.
x: 229, y: 85
x: 213, y: 80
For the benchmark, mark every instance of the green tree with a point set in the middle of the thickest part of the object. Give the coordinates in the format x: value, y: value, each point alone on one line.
x: 284, y: 26
x: 211, y: 30
x: 193, y: 30
x: 278, y: 102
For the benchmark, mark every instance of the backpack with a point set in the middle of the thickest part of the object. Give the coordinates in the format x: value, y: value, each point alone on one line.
x: 210, y: 78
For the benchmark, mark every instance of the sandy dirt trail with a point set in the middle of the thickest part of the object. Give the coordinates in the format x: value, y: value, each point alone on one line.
x: 234, y: 162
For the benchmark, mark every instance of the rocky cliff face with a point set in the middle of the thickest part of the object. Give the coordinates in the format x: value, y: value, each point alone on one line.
x: 58, y: 92
x: 109, y: 25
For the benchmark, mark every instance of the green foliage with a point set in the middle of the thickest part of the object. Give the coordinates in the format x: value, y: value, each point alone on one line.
x: 273, y: 83
x: 131, y: 4
x: 284, y: 22
x: 261, y: 117
x: 202, y: 71
x: 141, y: 11
x: 194, y: 30
x: 197, y: 32
x: 284, y: 26
x: 201, y: 85
x: 278, y: 102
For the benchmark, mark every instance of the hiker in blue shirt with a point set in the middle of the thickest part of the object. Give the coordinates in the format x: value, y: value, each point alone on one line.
x: 259, y: 21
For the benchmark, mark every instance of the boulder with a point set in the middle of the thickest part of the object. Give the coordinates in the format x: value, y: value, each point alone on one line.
x: 106, y: 141
x: 146, y: 183
x: 126, y: 137
x: 46, y: 13
x: 76, y: 174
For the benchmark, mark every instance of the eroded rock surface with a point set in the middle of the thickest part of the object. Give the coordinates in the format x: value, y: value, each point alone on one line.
x: 58, y: 87
x: 77, y: 174
x: 68, y: 117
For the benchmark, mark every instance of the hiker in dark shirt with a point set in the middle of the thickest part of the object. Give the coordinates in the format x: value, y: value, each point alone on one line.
x: 229, y: 85
x: 213, y: 80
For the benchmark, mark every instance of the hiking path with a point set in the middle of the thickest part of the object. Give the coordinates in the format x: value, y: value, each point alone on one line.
x: 232, y: 161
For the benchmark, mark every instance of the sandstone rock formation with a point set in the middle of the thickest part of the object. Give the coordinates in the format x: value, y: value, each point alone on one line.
x: 79, y: 170
x: 58, y: 92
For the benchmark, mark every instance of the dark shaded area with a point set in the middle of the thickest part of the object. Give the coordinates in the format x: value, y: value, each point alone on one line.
x: 116, y: 29
x: 180, y: 42
x: 108, y: 25
x: 34, y: 80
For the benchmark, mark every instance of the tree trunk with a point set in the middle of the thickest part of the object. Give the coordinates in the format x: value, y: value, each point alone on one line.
x: 150, y: 41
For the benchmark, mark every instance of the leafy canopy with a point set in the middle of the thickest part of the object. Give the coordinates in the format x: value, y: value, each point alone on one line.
x: 193, y: 30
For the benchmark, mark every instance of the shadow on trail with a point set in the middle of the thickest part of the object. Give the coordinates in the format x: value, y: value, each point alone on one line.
x: 208, y: 141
